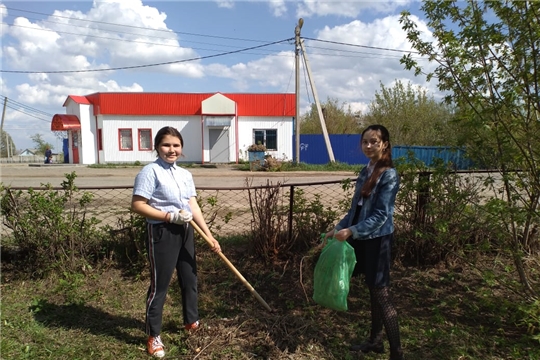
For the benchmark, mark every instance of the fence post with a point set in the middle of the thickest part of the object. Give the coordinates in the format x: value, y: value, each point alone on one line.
x: 291, y: 204
x: 422, y: 197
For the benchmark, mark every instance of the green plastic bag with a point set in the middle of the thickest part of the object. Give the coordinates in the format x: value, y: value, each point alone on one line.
x: 332, y: 275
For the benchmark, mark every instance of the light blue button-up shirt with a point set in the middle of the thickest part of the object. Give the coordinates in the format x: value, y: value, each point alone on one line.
x: 167, y: 187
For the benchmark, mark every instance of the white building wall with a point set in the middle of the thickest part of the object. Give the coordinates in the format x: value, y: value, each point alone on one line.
x: 232, y: 140
x: 86, y: 135
x: 101, y: 153
x: 189, y: 127
x: 191, y: 131
x: 285, y: 131
x: 74, y: 108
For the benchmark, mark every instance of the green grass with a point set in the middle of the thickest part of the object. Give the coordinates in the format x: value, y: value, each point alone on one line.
x: 244, y: 166
x: 116, y: 165
x: 444, y: 314
x: 332, y: 166
x: 293, y: 166
x: 134, y: 164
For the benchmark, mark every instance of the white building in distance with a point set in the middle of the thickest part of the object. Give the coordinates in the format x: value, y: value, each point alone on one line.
x: 217, y: 128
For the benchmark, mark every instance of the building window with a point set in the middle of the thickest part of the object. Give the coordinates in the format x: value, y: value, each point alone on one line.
x: 125, y: 138
x: 99, y: 140
x: 145, y: 139
x: 268, y: 137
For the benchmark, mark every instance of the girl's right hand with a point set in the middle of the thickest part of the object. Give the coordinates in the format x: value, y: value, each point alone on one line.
x: 329, y: 234
x: 325, y: 238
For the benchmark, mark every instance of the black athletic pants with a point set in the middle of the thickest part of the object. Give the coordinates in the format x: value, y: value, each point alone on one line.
x: 170, y: 247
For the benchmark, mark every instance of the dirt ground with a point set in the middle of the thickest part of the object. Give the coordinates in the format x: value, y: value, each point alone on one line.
x: 25, y: 175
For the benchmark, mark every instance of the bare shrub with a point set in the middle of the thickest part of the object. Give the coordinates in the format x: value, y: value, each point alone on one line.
x: 268, y: 227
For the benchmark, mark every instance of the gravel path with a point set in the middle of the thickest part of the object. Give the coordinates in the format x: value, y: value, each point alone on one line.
x: 23, y: 175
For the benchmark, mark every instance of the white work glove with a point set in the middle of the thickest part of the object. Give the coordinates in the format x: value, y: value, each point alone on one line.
x: 181, y: 217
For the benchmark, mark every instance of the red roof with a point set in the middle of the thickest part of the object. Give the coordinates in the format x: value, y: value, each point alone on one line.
x: 63, y: 122
x: 185, y: 104
x: 77, y: 99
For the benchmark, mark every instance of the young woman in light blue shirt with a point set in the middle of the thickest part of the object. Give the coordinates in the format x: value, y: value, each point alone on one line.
x: 165, y: 194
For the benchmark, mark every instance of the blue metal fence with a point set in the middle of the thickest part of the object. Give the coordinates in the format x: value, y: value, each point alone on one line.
x: 346, y: 149
x: 454, y: 157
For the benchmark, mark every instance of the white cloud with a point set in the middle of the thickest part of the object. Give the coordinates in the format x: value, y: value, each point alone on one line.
x: 350, y: 74
x: 89, y: 40
x: 228, y: 4
x: 75, y: 40
x: 356, y: 75
x: 219, y: 70
x: 350, y: 9
x: 278, y: 7
x: 360, y: 107
x: 271, y: 71
x: 347, y: 73
x: 3, y: 26
x: 113, y: 86
x: 33, y: 94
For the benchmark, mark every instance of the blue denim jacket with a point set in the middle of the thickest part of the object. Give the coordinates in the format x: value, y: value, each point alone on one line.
x: 377, y: 212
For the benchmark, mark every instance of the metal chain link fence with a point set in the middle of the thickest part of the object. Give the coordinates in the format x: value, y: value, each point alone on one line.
x: 226, y: 210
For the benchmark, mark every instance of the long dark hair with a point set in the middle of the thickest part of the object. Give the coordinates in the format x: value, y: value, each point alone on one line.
x: 384, y: 163
x: 167, y: 130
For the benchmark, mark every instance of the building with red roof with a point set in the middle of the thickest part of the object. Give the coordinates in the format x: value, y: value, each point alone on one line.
x: 217, y: 128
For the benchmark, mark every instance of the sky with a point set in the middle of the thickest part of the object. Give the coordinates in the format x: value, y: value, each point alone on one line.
x: 53, y: 49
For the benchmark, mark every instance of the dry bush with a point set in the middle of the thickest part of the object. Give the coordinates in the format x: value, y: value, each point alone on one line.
x: 269, y: 226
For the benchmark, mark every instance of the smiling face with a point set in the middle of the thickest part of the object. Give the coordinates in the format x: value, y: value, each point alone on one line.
x: 170, y: 148
x: 372, y: 145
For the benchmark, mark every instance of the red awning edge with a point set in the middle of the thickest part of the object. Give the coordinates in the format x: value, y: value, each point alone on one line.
x: 63, y: 122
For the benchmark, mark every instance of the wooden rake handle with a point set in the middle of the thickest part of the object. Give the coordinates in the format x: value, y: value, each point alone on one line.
x: 231, y: 266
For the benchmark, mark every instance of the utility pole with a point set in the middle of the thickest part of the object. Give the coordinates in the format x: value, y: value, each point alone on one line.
x: 3, y: 114
x: 319, y: 110
x: 7, y: 147
x: 297, y: 88
x: 2, y: 123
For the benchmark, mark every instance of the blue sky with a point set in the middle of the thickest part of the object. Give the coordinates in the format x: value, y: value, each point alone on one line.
x: 352, y: 47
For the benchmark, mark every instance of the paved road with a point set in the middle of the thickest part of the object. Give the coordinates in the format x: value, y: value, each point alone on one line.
x: 23, y: 175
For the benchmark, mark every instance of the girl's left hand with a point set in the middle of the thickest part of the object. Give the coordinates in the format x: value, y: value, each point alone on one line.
x: 343, y: 234
x: 217, y: 247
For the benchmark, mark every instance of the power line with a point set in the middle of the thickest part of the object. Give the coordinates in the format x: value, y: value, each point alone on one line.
x: 368, y: 55
x: 26, y: 113
x: 135, y: 41
x: 27, y: 110
x: 11, y: 101
x: 136, y: 27
x: 361, y: 46
x: 362, y: 54
x: 169, y: 31
x: 25, y: 128
x: 142, y: 66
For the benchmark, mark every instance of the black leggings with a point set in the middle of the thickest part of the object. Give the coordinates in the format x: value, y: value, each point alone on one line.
x: 384, y: 313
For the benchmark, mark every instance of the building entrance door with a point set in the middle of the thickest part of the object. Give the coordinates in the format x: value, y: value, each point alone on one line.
x: 75, y: 147
x: 219, y: 145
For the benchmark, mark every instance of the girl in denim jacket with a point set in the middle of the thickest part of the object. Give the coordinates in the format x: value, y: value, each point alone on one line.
x: 369, y: 228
